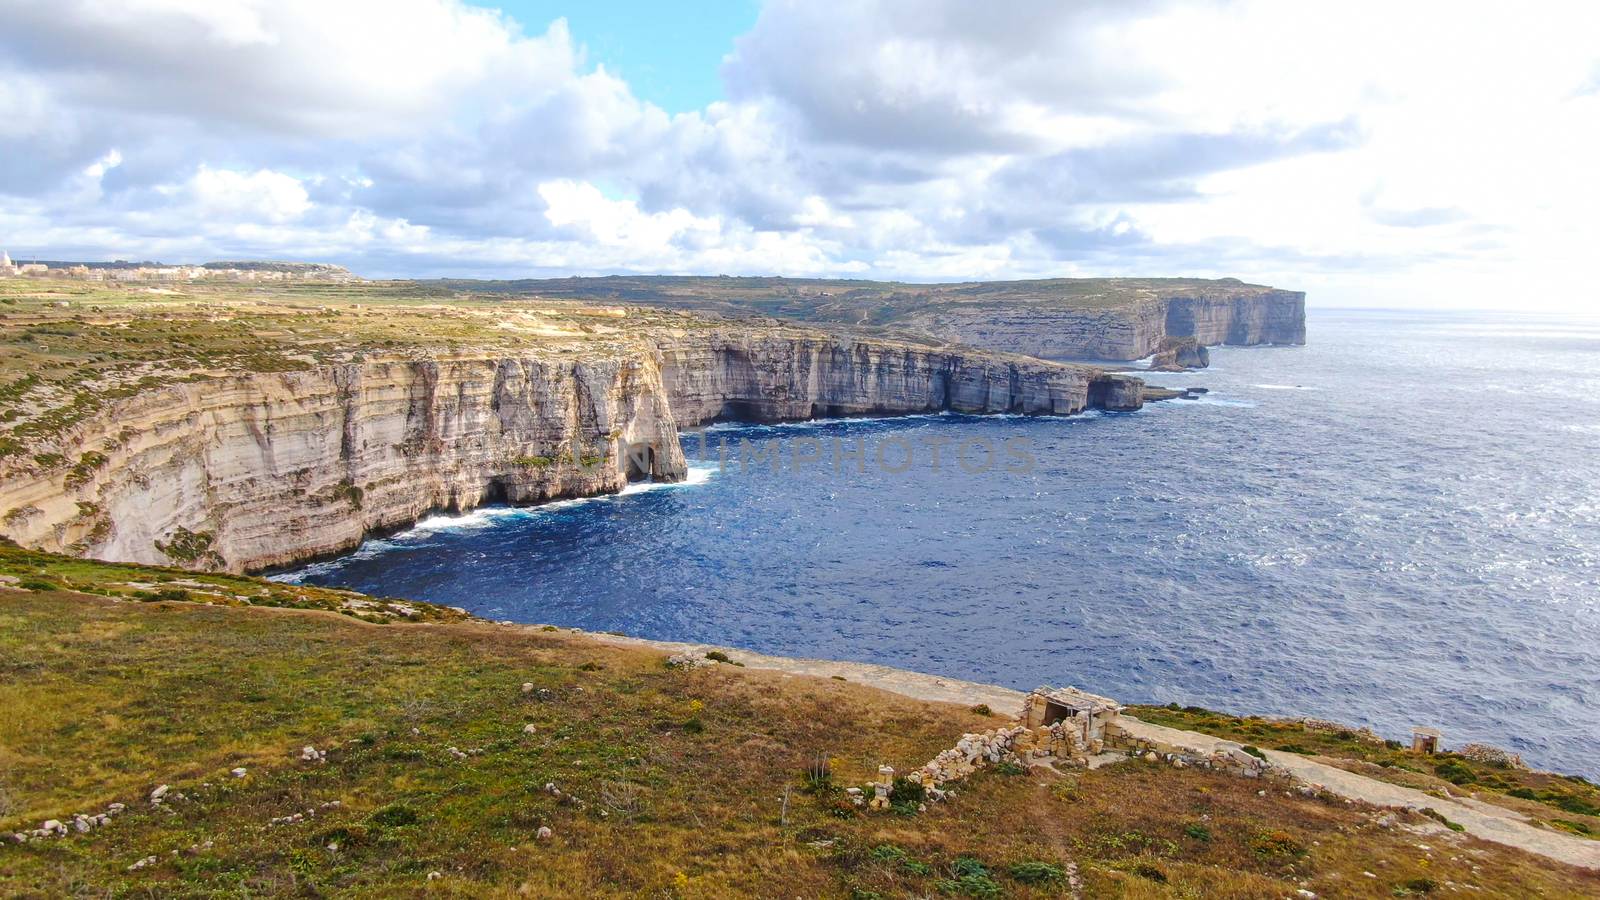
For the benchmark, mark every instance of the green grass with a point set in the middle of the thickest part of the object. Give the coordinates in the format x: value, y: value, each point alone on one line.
x: 103, y: 699
x: 1392, y: 761
x: 60, y: 365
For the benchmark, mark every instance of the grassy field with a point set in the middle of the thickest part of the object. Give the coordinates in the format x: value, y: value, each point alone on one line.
x: 882, y: 304
x: 673, y: 783
x: 1568, y: 803
x: 69, y: 347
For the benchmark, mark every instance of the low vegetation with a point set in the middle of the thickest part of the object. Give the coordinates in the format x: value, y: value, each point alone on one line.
x: 70, y: 348
x: 448, y: 748
x: 1569, y: 803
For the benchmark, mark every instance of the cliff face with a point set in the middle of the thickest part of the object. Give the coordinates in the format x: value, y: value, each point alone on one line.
x: 1274, y: 317
x: 733, y: 375
x: 250, y: 471
x: 1133, y: 331
x: 1051, y: 318
x: 258, y: 470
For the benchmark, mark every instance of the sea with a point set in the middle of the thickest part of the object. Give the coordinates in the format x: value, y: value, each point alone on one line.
x: 1397, y: 524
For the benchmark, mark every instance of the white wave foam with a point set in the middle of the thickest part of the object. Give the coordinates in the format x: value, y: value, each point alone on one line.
x: 481, y: 517
x: 1287, y: 387
x: 697, y: 475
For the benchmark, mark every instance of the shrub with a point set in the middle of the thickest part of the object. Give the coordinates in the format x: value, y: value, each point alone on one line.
x: 889, y: 853
x: 1037, y: 872
x: 1197, y: 831
x: 190, y: 546
x: 1455, y: 772
x: 970, y: 877
x: 349, y: 492
x: 1146, y: 870
x: 983, y: 709
x: 819, y: 775
x: 1273, y: 844
x: 904, y: 790
x: 1574, y: 827
x: 968, y: 865
x: 1419, y: 886
x: 394, y: 815
x: 1437, y: 816
x: 1253, y: 750
x: 1010, y: 767
x: 717, y: 656
x: 1572, y: 804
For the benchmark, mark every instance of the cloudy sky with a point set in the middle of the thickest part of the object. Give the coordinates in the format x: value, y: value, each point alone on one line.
x: 1372, y: 153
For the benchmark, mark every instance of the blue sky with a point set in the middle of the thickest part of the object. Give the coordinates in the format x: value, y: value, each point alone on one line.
x: 1444, y: 158
x: 669, y: 53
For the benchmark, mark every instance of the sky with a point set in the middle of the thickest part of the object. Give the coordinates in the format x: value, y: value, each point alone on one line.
x: 1370, y: 153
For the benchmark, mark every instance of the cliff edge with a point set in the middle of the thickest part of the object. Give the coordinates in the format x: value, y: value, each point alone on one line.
x: 1056, y: 318
x: 221, y: 435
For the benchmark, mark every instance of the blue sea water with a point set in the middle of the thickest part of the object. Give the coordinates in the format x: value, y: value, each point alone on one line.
x: 1397, y: 524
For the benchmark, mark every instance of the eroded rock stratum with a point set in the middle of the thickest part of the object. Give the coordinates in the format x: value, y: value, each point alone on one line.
x: 221, y: 433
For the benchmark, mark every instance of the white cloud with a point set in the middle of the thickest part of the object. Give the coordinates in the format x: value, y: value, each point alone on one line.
x: 1297, y: 143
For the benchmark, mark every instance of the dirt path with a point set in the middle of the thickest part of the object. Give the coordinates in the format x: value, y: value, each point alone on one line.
x: 1481, y: 820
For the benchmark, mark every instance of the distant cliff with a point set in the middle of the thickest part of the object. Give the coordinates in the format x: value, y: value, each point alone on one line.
x: 260, y: 469
x: 759, y: 376
x: 1060, y: 318
x: 1258, y: 316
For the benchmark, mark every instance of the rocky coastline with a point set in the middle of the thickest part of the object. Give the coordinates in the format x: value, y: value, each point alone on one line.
x: 257, y: 470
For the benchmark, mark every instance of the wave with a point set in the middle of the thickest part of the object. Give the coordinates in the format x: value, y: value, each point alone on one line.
x: 1287, y: 387
x: 482, y: 517
x: 696, y: 476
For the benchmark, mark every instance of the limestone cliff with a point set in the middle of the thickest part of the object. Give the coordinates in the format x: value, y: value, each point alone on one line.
x: 254, y: 470
x: 1050, y: 318
x: 1135, y: 330
x: 758, y: 376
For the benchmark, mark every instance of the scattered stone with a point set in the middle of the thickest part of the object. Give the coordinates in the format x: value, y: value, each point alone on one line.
x: 529, y: 728
x: 435, y: 876
x: 687, y: 661
x: 544, y: 833
x: 1494, y: 756
x: 159, y: 793
x: 239, y: 772
x: 309, y: 753
x: 527, y: 687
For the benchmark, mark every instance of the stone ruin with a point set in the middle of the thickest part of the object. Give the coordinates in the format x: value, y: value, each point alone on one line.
x: 1059, y: 726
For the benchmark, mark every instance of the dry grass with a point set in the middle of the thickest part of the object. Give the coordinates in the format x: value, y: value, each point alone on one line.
x: 681, y: 777
x: 1566, y: 803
